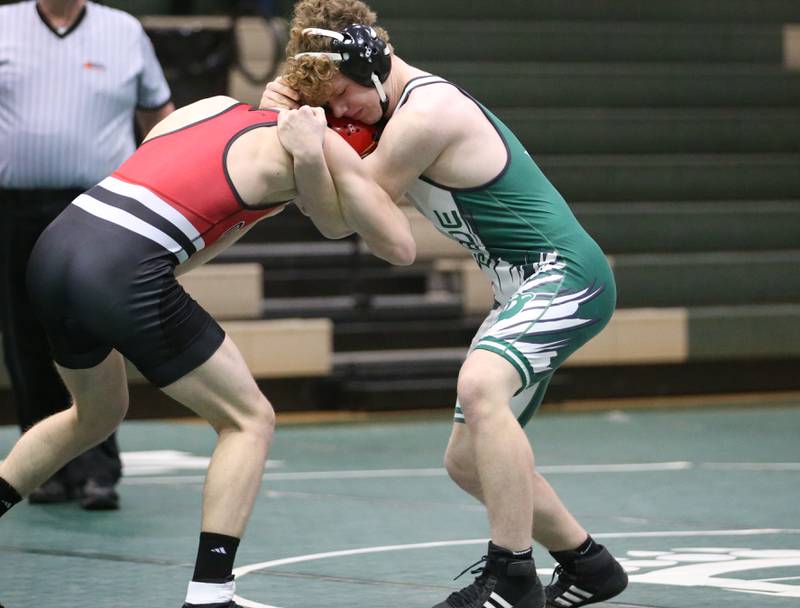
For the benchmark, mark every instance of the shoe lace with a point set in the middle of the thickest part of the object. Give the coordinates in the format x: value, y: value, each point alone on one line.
x: 561, y: 577
x: 469, y: 594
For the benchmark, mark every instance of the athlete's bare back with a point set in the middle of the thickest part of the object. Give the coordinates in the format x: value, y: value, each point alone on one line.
x: 259, y: 166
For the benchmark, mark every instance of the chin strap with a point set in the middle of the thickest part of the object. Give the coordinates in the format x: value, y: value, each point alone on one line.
x: 381, y: 94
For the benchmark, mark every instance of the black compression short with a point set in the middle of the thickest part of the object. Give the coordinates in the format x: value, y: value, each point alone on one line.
x: 97, y: 286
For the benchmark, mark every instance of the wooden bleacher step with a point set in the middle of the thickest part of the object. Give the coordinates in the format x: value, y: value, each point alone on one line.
x: 227, y: 291
x: 284, y: 348
x: 500, y: 84
x: 655, y: 130
x: 668, y: 177
x: 791, y: 46
x: 355, y: 307
x: 420, y: 39
x: 691, y: 226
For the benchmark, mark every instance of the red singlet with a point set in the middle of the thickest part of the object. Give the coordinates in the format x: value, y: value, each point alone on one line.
x: 187, y: 170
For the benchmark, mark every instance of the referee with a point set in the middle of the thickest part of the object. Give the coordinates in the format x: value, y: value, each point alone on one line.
x: 73, y: 74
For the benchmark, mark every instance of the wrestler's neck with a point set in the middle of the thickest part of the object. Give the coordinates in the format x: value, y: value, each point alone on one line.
x: 61, y: 13
x: 399, y: 77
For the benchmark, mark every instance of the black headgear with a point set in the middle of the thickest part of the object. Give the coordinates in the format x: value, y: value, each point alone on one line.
x: 362, y: 55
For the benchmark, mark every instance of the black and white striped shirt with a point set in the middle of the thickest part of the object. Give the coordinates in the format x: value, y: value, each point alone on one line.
x: 67, y: 99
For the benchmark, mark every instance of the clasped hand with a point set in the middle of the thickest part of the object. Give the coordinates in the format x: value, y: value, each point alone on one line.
x: 302, y: 131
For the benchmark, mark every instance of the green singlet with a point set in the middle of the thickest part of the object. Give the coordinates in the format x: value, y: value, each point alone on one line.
x: 552, y: 284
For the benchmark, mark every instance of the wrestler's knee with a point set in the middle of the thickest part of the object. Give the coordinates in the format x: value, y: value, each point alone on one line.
x: 264, y: 417
x: 99, y: 422
x: 486, y: 384
x: 252, y: 414
x: 476, y: 396
x: 459, y: 464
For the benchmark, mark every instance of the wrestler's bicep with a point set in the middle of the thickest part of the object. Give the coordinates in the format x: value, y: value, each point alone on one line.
x: 410, y: 144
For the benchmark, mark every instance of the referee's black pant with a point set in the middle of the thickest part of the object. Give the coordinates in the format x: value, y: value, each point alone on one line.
x: 37, y: 388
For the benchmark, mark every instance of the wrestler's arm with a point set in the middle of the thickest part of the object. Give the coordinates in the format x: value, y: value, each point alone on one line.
x: 366, y: 207
x: 317, y: 196
x: 302, y: 133
x: 411, y: 142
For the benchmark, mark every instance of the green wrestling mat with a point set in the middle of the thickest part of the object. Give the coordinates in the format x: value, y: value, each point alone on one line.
x: 701, y: 504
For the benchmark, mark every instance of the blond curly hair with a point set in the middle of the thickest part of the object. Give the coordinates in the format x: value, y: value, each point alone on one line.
x: 312, y: 77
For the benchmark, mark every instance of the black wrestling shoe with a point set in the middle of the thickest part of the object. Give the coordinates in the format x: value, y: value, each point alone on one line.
x: 230, y: 604
x: 504, y: 581
x: 96, y: 496
x: 52, y: 491
x: 586, y: 581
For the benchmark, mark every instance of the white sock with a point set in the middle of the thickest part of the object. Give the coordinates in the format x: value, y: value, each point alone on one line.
x: 210, y: 593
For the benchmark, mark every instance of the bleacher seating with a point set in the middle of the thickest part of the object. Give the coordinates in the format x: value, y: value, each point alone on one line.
x: 671, y: 127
